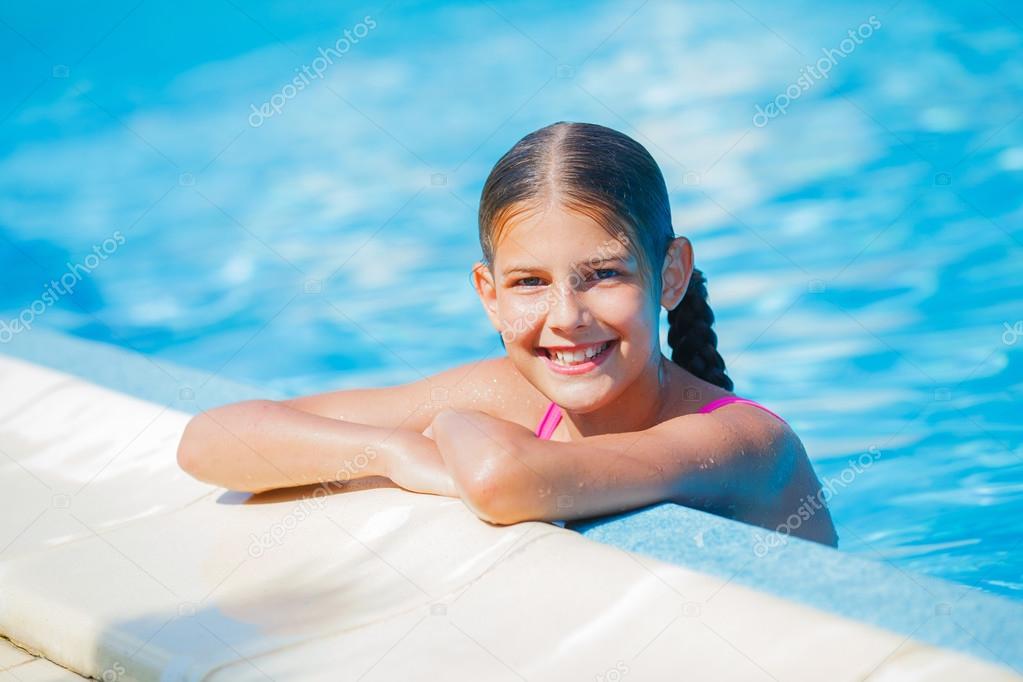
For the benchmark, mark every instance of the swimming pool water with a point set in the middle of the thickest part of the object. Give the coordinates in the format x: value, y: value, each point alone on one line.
x: 863, y: 248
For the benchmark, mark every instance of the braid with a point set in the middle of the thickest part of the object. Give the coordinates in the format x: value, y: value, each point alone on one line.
x: 693, y: 342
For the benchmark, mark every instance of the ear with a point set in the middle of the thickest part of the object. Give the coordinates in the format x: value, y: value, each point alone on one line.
x: 675, y: 274
x: 483, y: 283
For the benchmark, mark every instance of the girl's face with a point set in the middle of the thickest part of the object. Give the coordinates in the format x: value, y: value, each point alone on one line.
x: 575, y: 315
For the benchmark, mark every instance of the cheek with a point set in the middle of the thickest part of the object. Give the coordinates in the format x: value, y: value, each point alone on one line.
x: 520, y: 316
x: 519, y: 307
x: 631, y: 315
x: 627, y: 311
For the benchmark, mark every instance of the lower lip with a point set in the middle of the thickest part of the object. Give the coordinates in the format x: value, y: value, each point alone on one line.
x: 582, y: 367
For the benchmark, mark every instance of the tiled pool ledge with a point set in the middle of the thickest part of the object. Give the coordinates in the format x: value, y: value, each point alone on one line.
x: 18, y: 665
x: 104, y: 543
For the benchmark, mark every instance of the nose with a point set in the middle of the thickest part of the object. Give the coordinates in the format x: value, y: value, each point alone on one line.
x: 567, y: 311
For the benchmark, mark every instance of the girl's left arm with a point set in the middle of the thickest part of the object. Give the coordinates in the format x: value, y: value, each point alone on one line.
x: 507, y: 475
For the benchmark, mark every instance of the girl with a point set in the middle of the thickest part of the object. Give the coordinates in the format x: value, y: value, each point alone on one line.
x: 584, y: 416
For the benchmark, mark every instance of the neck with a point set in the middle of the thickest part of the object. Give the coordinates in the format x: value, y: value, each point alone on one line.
x: 639, y: 407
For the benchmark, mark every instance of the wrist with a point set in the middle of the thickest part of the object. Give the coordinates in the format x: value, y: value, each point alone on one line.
x: 370, y: 460
x: 391, y: 451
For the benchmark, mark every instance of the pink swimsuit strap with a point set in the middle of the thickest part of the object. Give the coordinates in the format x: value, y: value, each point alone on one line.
x: 728, y: 400
x: 552, y: 417
x: 549, y: 422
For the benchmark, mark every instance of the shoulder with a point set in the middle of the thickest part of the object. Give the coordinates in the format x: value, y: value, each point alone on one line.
x: 781, y: 478
x: 747, y: 426
x: 755, y: 426
x: 493, y: 386
x: 487, y: 376
x: 748, y: 451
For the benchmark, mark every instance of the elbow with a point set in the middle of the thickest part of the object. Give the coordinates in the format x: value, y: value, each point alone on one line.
x: 204, y: 451
x: 493, y: 495
x: 191, y: 454
x: 489, y: 477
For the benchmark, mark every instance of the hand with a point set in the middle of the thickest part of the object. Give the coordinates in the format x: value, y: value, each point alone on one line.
x: 415, y: 464
x: 475, y: 432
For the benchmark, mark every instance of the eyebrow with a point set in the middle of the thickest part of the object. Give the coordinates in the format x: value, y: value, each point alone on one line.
x: 589, y: 262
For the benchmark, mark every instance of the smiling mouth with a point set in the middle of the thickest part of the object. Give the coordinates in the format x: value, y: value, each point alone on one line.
x: 577, y: 355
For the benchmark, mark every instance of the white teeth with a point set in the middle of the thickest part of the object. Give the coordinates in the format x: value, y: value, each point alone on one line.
x: 576, y: 357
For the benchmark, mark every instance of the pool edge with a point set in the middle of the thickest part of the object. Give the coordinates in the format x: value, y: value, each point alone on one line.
x: 850, y: 586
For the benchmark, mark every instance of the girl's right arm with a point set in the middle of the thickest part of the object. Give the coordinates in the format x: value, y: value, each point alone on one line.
x: 258, y: 445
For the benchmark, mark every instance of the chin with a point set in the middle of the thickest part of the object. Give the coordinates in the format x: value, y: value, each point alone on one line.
x: 581, y: 399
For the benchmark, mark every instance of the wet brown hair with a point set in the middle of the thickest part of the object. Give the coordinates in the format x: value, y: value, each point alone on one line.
x: 606, y: 175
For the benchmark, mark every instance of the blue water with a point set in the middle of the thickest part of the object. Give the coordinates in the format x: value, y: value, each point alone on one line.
x: 863, y: 249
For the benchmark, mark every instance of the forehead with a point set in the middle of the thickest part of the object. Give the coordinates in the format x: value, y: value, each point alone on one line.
x: 555, y: 235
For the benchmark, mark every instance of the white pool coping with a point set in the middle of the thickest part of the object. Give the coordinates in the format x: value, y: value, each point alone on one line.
x: 114, y: 561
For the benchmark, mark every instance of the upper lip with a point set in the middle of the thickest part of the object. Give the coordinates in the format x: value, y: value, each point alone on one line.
x: 582, y: 346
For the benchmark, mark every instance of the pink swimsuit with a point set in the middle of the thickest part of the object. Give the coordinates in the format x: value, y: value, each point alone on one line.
x: 552, y: 417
